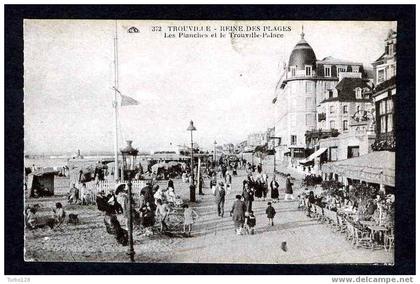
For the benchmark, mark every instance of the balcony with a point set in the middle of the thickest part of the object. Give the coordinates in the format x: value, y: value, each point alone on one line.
x: 384, y: 85
x: 312, y: 137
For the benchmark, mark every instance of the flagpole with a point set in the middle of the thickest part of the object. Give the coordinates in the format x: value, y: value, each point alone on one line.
x: 115, y: 104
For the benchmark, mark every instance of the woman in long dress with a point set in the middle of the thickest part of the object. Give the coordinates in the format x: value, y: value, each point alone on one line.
x: 259, y: 187
x: 274, y: 185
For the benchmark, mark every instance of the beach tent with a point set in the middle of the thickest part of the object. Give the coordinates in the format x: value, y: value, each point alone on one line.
x: 41, y: 182
x: 156, y: 167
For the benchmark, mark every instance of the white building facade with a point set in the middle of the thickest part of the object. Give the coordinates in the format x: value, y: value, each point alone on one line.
x: 304, y: 84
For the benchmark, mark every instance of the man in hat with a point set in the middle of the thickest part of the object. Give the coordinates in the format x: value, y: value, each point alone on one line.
x: 238, y: 214
x: 220, y: 194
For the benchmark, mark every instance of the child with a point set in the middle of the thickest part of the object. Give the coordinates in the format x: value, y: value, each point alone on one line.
x: 250, y: 222
x: 59, y: 214
x: 301, y: 203
x: 271, y: 212
x: 162, y: 210
x: 170, y: 195
x: 188, y: 218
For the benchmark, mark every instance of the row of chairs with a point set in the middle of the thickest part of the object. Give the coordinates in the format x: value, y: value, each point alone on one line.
x: 356, y: 235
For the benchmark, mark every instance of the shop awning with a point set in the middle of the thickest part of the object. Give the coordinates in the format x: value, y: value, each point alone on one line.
x: 376, y: 167
x: 311, y: 157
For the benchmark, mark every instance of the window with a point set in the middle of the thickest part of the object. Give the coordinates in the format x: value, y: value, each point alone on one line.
x: 345, y: 125
x: 308, y: 87
x: 293, y: 140
x: 332, y: 124
x: 390, y: 49
x: 389, y: 106
x: 332, y: 109
x: 383, y: 124
x: 355, y: 69
x: 345, y: 109
x: 358, y: 93
x: 333, y: 154
x: 327, y: 71
x: 330, y: 93
x: 382, y: 107
x: 321, y: 116
x: 381, y: 76
x: 308, y: 70
x: 352, y: 151
x: 390, y: 123
x: 293, y: 70
x: 358, y: 108
x: 341, y: 69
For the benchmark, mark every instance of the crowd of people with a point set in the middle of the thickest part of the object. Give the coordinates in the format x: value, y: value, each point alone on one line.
x: 365, y: 205
x: 153, y: 205
x: 80, y: 195
x: 255, y: 188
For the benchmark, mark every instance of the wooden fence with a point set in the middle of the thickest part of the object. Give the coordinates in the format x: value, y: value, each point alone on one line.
x: 107, y: 186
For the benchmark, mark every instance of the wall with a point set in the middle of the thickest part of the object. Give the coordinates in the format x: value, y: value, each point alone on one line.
x: 343, y: 141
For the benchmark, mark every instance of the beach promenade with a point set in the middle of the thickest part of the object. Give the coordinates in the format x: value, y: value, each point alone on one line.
x: 213, y: 239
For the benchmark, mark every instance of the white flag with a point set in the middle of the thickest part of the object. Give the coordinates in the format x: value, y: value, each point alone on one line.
x: 128, y: 101
x: 125, y: 100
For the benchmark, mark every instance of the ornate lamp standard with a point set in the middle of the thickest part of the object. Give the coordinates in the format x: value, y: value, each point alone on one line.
x: 129, y: 155
x: 192, y: 128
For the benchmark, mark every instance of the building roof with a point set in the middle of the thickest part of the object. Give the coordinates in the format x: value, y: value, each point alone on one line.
x: 334, y: 61
x: 302, y: 54
x: 345, y: 89
x: 347, y: 85
x: 380, y: 59
x: 44, y: 172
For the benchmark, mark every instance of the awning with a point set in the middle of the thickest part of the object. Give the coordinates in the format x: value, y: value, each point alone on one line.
x: 315, y: 154
x: 376, y: 167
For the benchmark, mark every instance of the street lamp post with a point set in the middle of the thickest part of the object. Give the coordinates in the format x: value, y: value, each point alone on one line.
x: 129, y: 155
x: 274, y: 138
x: 192, y: 128
x: 215, y: 155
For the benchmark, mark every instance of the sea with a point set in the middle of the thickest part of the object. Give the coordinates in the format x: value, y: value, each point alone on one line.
x: 57, y: 161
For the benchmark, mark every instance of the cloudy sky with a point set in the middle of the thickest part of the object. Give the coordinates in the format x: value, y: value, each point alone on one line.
x: 225, y: 86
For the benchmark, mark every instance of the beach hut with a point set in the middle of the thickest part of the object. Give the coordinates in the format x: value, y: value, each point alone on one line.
x: 41, y: 183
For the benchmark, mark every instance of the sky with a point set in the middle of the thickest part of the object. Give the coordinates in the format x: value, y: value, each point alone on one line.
x: 224, y: 85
